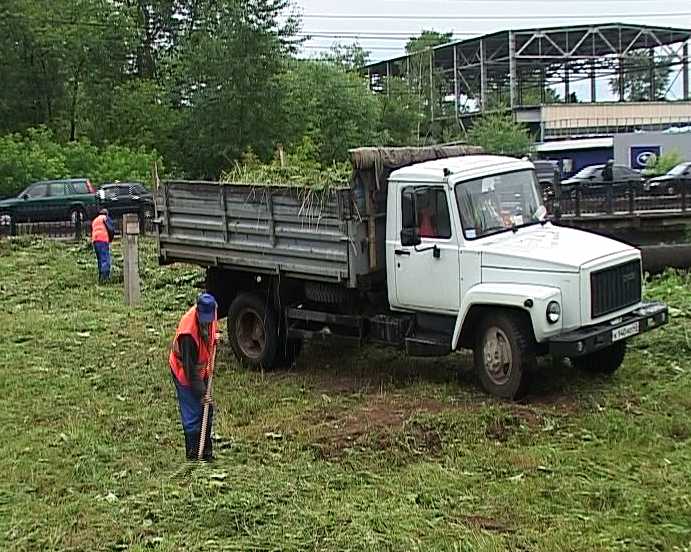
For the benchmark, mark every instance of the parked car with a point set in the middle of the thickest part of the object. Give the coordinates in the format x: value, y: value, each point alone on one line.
x: 546, y: 171
x: 671, y: 182
x: 52, y: 200
x: 592, y: 176
x: 121, y: 198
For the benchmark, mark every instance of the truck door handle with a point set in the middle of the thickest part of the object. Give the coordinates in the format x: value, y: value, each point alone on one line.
x: 402, y: 252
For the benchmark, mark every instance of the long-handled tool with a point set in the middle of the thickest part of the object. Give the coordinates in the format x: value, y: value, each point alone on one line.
x: 207, y: 405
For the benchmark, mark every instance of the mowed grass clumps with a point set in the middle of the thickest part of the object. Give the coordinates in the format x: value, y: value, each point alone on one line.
x: 354, y: 449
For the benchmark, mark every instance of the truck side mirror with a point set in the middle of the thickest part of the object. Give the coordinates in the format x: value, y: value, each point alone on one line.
x: 410, y: 237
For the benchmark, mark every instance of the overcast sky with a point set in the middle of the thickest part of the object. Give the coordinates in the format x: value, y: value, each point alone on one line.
x: 449, y: 16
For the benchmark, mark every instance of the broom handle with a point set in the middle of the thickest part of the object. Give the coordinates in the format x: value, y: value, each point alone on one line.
x: 205, y: 416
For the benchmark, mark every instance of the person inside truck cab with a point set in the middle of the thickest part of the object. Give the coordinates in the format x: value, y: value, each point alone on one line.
x: 427, y: 226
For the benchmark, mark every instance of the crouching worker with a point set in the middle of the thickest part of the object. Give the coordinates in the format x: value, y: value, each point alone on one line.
x: 190, y: 359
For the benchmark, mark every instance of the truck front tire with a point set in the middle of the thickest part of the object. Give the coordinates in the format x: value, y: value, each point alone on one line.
x: 503, y: 355
x: 605, y: 361
x: 253, y: 331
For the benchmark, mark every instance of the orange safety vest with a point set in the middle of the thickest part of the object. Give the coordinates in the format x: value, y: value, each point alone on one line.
x: 188, y: 326
x: 99, y: 231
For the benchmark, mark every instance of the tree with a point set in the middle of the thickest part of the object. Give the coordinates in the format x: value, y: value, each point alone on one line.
x: 330, y: 106
x: 61, y: 54
x: 426, y: 40
x: 499, y: 134
x: 428, y: 82
x: 225, y: 74
x: 399, y: 113
x: 636, y: 81
x: 351, y: 56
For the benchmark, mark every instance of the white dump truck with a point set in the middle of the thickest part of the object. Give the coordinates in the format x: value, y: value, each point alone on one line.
x: 429, y: 250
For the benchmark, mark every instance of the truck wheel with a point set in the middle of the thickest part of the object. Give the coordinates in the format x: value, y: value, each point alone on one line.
x: 503, y: 355
x: 253, y: 331
x: 606, y: 361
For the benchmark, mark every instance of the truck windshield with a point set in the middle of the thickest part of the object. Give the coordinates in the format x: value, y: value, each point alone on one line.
x: 497, y: 203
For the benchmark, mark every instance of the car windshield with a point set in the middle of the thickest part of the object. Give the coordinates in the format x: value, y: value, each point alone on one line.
x: 496, y: 203
x: 587, y: 172
x: 679, y: 169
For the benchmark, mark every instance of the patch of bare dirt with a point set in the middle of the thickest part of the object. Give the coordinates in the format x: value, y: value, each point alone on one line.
x: 561, y: 402
x: 381, y: 422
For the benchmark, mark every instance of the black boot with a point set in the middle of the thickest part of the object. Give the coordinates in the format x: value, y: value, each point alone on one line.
x: 192, y: 445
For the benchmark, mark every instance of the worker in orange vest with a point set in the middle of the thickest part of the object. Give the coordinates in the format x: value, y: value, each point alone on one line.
x: 193, y: 346
x: 102, y: 233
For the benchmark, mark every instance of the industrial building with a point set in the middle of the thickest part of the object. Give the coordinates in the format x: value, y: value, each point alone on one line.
x: 554, y: 79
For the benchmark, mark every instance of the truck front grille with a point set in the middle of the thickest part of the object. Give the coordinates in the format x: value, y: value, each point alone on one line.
x: 615, y: 288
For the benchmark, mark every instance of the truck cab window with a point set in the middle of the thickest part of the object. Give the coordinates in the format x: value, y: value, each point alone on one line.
x: 497, y: 203
x: 426, y: 209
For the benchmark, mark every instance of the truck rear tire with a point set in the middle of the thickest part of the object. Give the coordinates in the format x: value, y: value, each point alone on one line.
x: 253, y: 331
x: 605, y: 361
x: 503, y: 355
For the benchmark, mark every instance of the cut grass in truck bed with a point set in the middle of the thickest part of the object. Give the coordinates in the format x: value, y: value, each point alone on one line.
x: 354, y: 449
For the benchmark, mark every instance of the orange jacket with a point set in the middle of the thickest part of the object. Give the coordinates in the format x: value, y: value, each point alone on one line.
x: 188, y: 326
x: 99, y: 231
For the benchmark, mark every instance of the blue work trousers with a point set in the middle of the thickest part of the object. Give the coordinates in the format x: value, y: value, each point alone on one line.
x: 102, y: 250
x: 191, y: 410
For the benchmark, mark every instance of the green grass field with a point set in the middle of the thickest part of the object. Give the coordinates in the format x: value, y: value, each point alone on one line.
x: 355, y: 449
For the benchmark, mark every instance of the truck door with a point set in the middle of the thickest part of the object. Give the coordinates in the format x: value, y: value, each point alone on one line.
x: 427, y: 275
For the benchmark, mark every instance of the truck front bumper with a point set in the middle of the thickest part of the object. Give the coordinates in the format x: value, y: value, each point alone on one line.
x: 589, y: 339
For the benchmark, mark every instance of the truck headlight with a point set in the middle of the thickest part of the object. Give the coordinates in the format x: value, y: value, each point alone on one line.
x: 553, y: 312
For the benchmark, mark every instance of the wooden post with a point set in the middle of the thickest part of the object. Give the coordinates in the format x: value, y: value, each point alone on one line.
x: 130, y: 258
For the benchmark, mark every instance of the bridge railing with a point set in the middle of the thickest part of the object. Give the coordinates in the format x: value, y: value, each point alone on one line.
x: 617, y: 199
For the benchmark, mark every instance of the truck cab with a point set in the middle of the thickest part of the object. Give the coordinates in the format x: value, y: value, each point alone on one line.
x: 468, y: 239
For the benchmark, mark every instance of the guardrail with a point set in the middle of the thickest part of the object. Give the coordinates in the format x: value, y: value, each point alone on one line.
x: 625, y: 200
x: 67, y: 230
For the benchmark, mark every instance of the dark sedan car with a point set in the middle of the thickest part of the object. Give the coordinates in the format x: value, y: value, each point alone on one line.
x: 126, y: 197
x: 592, y: 176
x: 671, y: 182
x: 49, y: 201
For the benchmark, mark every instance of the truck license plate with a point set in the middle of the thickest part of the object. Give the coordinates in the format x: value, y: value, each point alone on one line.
x: 626, y: 331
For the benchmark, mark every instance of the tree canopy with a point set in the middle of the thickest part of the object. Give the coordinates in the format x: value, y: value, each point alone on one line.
x: 198, y: 83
